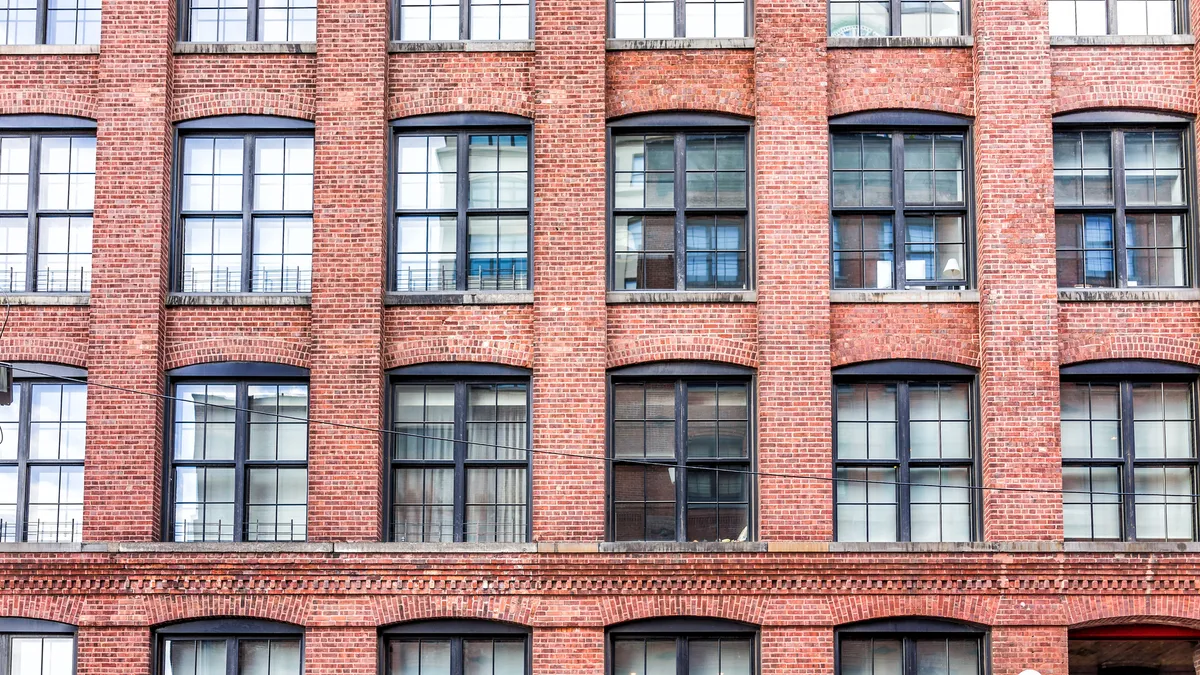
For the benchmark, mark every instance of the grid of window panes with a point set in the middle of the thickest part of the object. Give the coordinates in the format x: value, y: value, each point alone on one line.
x: 57, y: 198
x: 482, y: 427
x: 904, y: 432
x: 231, y: 657
x: 67, y: 22
x: 637, y: 19
x: 713, y: 461
x: 909, y: 656
x: 217, y: 256
x: 927, y: 201
x: 670, y: 655
x: 432, y: 656
x: 1124, y: 17
x: 874, y: 18
x: 1135, y: 438
x: 1104, y: 178
x: 433, y: 207
x: 661, y: 214
x: 41, y: 462
x: 422, y: 20
x: 252, y: 20
x: 38, y: 655
x: 225, y: 467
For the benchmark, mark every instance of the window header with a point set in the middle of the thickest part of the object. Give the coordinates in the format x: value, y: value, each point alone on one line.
x: 912, y: 624
x: 459, y: 369
x: 469, y: 119
x: 23, y: 625
x: 455, y: 627
x: 34, y: 122
x: 33, y: 370
x: 904, y: 368
x: 677, y: 120
x: 245, y: 123
x: 899, y: 118
x: 232, y: 626
x: 1120, y: 117
x: 682, y: 369
x: 239, y: 369
x: 1129, y: 368
x: 682, y: 624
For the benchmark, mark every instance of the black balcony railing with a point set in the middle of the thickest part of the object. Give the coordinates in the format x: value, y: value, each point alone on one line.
x: 41, y: 531
x: 221, y: 531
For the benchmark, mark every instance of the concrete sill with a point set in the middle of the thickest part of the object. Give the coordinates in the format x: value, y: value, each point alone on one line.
x: 911, y: 297
x: 626, y: 44
x: 460, y: 548
x: 238, y: 300
x: 1131, y: 547
x: 1128, y: 294
x: 683, y: 547
x: 668, y: 297
x: 896, y: 41
x: 44, y: 299
x: 946, y: 547
x: 462, y: 46
x: 460, y: 298
x: 1121, y: 40
x: 245, y: 48
x: 39, y: 50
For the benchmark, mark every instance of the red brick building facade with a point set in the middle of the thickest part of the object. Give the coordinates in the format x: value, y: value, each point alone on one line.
x: 1017, y: 581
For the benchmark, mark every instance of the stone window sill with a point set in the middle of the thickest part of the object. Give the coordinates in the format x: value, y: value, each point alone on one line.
x: 668, y: 297
x: 245, y: 48
x: 1121, y: 40
x: 626, y: 44
x: 460, y: 298
x: 682, y: 547
x: 37, y: 50
x: 44, y: 299
x: 1128, y: 295
x: 1131, y: 547
x: 897, y: 41
x: 462, y: 46
x: 911, y: 297
x: 237, y: 299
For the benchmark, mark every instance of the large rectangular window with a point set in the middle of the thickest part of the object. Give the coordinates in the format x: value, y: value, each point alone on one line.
x: 913, y: 654
x: 905, y: 464
x: 47, y: 190
x: 680, y: 210
x: 460, y: 460
x: 900, y: 207
x: 34, y: 652
x: 906, y: 18
x: 41, y: 462
x: 1121, y: 208
x: 681, y: 460
x: 238, y: 476
x: 433, y: 20
x: 251, y: 21
x: 245, y: 205
x: 636, y: 19
x: 1115, y: 17
x: 51, y: 22
x: 462, y: 205
x: 221, y: 655
x: 1129, y: 460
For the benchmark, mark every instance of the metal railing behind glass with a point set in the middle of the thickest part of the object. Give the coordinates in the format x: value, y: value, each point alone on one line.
x: 440, y: 279
x: 78, y: 280
x: 197, y: 531
x: 512, y: 531
x: 262, y: 280
x: 44, y: 532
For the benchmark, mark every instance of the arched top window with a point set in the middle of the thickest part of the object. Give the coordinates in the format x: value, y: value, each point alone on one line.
x: 456, y: 647
x: 910, y: 646
x: 230, y: 646
x: 36, y: 646
x: 682, y: 645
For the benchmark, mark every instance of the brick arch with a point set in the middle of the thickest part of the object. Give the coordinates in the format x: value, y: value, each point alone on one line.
x: 1102, y: 346
x: 451, y: 349
x: 267, y: 350
x: 60, y: 608
x: 1087, y: 610
x: 646, y: 349
x: 48, y: 102
x: 935, y: 99
x: 479, y: 99
x: 45, y: 350
x: 747, y: 609
x: 977, y: 609
x: 167, y: 609
x: 393, y: 609
x: 250, y: 102
x: 667, y: 99
x: 850, y: 349
x: 1130, y: 93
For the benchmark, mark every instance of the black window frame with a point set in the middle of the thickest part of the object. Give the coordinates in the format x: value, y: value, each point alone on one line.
x: 682, y: 629
x: 1118, y: 123
x: 910, y: 629
x: 232, y: 630
x: 894, y: 17
x: 680, y: 125
x: 681, y: 374
x: 248, y: 128
x: 680, y: 23
x: 1182, y: 21
x: 11, y: 627
x: 1125, y: 374
x: 42, y: 23
x: 36, y: 128
x: 183, y: 12
x: 456, y: 631
x: 462, y: 376
x: 903, y: 372
x: 463, y: 126
x: 29, y: 374
x: 897, y: 123
x: 241, y: 374
x: 464, y: 24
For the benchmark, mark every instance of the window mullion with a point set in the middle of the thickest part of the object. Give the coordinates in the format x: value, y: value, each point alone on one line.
x: 241, y: 433
x: 43, y: 15
x: 462, y: 189
x: 245, y: 280
x: 252, y: 21
x: 899, y: 236
x: 1118, y: 177
x: 4, y: 654
x: 1110, y: 9
x: 460, y: 455
x: 682, y: 656
x: 23, y: 431
x: 903, y: 453
x: 680, y: 19
x: 231, y: 654
x: 680, y: 210
x: 35, y: 175
x: 1128, y: 452
x: 681, y: 460
x: 464, y: 19
x: 895, y: 17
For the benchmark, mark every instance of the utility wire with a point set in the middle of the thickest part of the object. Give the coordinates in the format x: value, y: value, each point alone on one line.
x: 606, y: 459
